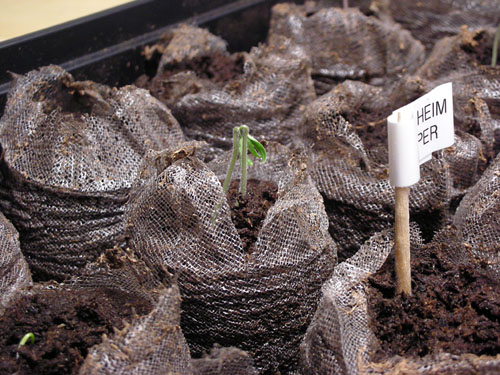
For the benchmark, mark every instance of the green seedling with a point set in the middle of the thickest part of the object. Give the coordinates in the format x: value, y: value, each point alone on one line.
x: 27, y: 337
x: 242, y: 144
x: 494, y: 52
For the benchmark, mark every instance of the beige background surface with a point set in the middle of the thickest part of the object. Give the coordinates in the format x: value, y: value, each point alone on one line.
x: 19, y: 17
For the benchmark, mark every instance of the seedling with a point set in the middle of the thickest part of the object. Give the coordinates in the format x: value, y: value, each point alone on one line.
x: 27, y: 337
x: 242, y: 144
x: 494, y: 53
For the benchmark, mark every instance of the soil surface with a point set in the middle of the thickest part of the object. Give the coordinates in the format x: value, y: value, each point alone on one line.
x: 371, y: 127
x: 455, y: 308
x: 250, y: 211
x: 65, y: 324
x: 218, y: 68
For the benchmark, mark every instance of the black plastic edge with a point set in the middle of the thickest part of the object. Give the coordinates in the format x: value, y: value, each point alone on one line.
x: 116, y: 60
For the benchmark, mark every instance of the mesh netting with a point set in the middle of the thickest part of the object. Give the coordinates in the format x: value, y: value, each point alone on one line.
x: 261, y: 301
x: 152, y: 344
x: 430, y: 20
x: 345, y: 44
x: 71, y: 152
x: 476, y: 87
x: 478, y: 219
x: 359, y: 198
x: 14, y: 271
x: 340, y: 339
x: 180, y: 51
x: 73, y: 149
x: 439, y: 364
x: 267, y: 94
x: 225, y: 361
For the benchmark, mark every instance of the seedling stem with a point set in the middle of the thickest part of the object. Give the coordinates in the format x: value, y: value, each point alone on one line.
x: 236, y: 139
x: 242, y: 144
x: 27, y: 337
x: 244, y: 159
x: 494, y: 53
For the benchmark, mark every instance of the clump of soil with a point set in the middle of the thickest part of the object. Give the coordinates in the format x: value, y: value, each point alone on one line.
x: 73, y: 99
x: 370, y: 126
x: 455, y: 307
x: 248, y: 212
x: 66, y: 323
x: 218, y: 67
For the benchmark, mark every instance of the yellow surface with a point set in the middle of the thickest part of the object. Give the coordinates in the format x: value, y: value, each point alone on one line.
x: 19, y: 17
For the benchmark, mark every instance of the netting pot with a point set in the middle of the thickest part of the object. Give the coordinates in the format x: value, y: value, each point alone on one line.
x: 71, y: 152
x: 261, y: 301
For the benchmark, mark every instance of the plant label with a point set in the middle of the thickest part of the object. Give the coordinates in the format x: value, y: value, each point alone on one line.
x: 416, y: 130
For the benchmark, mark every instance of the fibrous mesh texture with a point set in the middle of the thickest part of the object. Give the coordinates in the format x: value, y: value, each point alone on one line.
x: 268, y: 95
x: 180, y: 51
x: 345, y: 44
x: 478, y: 219
x: 461, y: 60
x: 224, y: 361
x: 71, y: 152
x: 439, y: 364
x: 430, y: 20
x: 354, y: 180
x: 150, y: 345
x: 14, y: 271
x: 261, y: 301
x: 339, y: 340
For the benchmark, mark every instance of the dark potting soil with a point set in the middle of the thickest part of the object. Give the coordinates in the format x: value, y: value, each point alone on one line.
x: 370, y: 126
x: 250, y: 211
x: 65, y: 324
x: 218, y: 68
x: 454, y: 307
x: 74, y: 98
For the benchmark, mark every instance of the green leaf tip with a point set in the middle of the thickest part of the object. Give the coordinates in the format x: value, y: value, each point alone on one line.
x: 242, y: 144
x: 256, y: 148
x: 27, y: 337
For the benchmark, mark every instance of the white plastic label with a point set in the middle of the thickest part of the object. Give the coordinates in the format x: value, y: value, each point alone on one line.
x: 418, y: 129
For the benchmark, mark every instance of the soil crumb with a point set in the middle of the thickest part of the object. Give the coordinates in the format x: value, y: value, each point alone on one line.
x: 248, y: 212
x: 219, y: 68
x: 455, y: 307
x: 65, y: 324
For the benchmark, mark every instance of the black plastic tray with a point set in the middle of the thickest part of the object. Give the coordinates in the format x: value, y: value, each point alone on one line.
x: 106, y: 47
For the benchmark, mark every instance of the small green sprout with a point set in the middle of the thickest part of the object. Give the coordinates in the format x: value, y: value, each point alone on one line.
x: 27, y: 337
x: 494, y: 52
x: 242, y: 144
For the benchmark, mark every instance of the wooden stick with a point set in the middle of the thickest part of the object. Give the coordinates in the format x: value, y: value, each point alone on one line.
x: 402, y: 232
